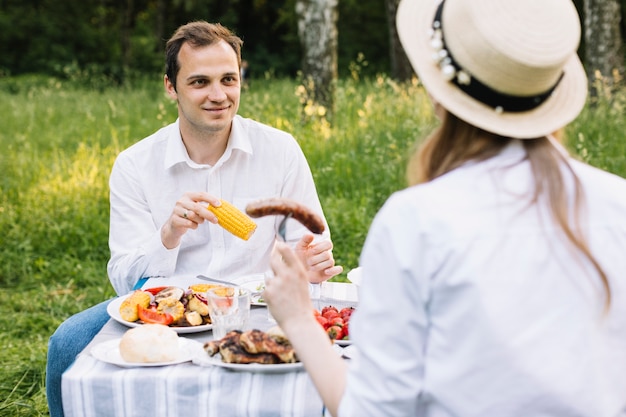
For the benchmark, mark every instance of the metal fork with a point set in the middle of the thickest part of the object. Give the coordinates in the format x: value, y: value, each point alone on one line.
x: 217, y: 281
x: 282, y: 227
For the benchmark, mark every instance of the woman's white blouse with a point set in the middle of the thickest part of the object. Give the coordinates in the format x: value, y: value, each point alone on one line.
x: 472, y: 305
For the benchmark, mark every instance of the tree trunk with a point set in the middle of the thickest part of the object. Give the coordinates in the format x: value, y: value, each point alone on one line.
x: 317, y: 30
x: 401, y: 68
x: 604, y: 54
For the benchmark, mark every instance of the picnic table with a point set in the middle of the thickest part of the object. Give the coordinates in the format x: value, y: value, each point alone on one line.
x: 94, y: 388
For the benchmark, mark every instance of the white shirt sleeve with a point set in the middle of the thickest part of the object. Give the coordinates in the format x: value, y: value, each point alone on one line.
x: 134, y: 239
x: 391, y: 323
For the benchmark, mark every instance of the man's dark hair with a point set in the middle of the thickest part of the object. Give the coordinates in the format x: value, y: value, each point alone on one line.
x: 198, y: 34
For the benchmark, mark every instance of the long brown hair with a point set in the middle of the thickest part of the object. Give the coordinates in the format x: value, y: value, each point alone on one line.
x: 455, y: 142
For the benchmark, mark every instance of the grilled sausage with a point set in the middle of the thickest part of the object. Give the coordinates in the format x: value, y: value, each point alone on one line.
x: 284, y: 206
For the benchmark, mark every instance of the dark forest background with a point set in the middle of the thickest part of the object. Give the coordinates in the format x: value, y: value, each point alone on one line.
x: 117, y: 37
x: 122, y: 37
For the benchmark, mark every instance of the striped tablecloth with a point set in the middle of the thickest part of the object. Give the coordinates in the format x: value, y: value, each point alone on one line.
x: 92, y: 388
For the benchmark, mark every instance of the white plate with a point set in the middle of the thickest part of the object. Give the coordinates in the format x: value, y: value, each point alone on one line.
x: 216, y: 360
x: 114, y: 311
x: 256, y: 287
x: 109, y: 352
x: 349, y: 352
x: 343, y: 343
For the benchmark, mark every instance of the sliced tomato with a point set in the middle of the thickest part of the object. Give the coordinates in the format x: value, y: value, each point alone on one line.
x: 148, y: 315
x: 155, y: 290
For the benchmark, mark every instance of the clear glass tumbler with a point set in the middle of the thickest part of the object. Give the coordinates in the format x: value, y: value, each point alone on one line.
x: 229, y: 309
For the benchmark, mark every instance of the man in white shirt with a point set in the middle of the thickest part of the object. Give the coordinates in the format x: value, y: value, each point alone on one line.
x: 162, y: 185
x: 155, y: 182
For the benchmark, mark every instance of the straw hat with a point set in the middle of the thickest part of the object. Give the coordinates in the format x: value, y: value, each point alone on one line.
x: 507, y: 66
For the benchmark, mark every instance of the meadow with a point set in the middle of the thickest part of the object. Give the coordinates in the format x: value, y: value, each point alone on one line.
x: 59, y: 139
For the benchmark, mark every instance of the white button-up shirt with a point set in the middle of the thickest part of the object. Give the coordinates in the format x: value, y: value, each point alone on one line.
x: 472, y: 305
x: 150, y: 176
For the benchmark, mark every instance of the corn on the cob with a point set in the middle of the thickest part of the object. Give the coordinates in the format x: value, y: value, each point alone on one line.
x: 173, y: 307
x: 234, y: 220
x: 128, y: 308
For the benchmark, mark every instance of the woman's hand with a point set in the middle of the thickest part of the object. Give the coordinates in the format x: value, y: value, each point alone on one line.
x: 287, y: 293
x: 287, y: 296
x: 189, y: 212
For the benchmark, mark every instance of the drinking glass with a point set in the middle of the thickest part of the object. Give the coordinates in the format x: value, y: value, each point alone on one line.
x: 229, y: 309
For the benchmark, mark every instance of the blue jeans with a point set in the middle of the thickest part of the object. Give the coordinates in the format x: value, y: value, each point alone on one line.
x: 69, y: 339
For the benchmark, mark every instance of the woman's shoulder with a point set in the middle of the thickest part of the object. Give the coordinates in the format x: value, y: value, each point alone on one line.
x: 603, y: 191
x: 583, y: 168
x: 594, y: 178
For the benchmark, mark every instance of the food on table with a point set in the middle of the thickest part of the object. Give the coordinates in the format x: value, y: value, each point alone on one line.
x: 277, y: 334
x: 231, y: 351
x: 335, y: 321
x: 150, y: 343
x: 193, y: 318
x: 256, y: 341
x: 154, y: 290
x: 152, y: 316
x: 224, y: 291
x: 233, y: 220
x: 169, y: 292
x: 202, y: 288
x: 128, y: 308
x: 173, y: 307
x: 252, y: 346
x: 285, y: 206
x: 198, y: 304
x: 168, y: 306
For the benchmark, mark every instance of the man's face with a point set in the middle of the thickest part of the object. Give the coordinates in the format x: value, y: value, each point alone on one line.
x: 208, y: 87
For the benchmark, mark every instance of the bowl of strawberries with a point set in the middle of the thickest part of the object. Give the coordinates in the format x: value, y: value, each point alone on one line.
x: 336, y: 322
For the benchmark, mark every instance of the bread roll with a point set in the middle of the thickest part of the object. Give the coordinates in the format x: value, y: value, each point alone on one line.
x: 149, y: 343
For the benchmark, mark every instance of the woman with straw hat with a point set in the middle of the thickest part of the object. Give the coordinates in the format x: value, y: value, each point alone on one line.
x: 494, y: 286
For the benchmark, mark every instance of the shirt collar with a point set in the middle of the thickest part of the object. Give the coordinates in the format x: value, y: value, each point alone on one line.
x: 177, y: 153
x: 515, y: 151
x: 239, y: 139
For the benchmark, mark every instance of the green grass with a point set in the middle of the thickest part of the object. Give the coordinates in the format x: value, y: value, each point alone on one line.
x: 59, y: 140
